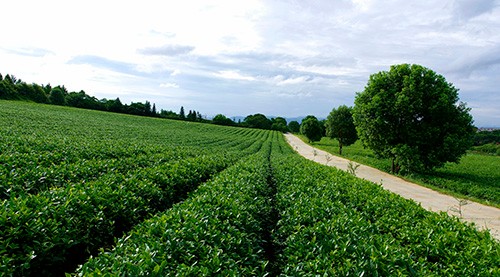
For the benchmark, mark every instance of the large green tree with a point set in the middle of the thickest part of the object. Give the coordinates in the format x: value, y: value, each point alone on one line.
x: 410, y: 114
x: 340, y: 126
x: 311, y: 128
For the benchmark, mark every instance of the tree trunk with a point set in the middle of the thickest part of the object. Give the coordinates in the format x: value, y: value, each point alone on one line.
x: 395, y: 166
x: 340, y: 148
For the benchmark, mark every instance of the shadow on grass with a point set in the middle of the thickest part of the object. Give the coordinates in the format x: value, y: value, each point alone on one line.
x: 468, y: 184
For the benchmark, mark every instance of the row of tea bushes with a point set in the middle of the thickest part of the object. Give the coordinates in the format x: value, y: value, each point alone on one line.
x: 217, y: 231
x: 334, y: 224
x: 18, y: 180
x: 33, y: 172
x: 58, y: 228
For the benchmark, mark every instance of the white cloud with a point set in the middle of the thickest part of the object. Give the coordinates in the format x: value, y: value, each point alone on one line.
x: 325, y: 70
x: 175, y: 72
x: 280, y: 80
x: 233, y: 75
x: 169, y: 85
x: 167, y: 50
x: 295, y: 94
x: 363, y: 5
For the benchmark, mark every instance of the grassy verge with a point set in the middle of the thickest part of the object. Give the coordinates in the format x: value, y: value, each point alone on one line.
x: 476, y: 177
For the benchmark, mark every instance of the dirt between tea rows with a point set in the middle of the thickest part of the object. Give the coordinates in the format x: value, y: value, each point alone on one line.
x: 485, y: 217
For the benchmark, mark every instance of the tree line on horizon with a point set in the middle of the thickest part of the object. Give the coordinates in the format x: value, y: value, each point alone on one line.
x: 12, y: 88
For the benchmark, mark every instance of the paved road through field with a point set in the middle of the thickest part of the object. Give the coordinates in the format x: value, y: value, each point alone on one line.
x: 485, y: 217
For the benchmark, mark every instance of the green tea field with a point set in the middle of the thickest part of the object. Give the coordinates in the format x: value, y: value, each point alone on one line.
x: 88, y: 193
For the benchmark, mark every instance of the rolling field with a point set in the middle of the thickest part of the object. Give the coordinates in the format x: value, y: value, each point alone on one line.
x: 476, y: 177
x: 91, y: 194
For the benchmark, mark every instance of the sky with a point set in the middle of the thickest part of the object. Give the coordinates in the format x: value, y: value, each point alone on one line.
x: 279, y: 58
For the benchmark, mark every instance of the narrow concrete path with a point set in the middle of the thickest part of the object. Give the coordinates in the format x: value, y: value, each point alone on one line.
x: 485, y: 217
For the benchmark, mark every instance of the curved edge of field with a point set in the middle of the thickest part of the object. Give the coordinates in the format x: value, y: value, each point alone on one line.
x: 483, y: 216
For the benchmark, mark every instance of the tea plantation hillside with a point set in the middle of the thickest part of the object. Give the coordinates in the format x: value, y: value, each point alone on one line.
x: 90, y: 193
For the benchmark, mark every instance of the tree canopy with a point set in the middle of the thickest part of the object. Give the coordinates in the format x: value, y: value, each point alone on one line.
x: 294, y: 126
x: 410, y: 114
x: 340, y: 126
x: 57, y: 96
x: 279, y: 124
x: 221, y: 119
x: 182, y: 114
x: 311, y: 128
x: 485, y: 137
x: 259, y: 121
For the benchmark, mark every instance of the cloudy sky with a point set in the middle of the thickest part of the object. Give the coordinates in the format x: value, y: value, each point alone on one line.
x: 284, y: 58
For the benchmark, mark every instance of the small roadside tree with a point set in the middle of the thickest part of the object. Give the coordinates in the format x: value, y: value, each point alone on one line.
x: 294, y: 126
x: 340, y: 126
x: 311, y: 128
x: 410, y: 114
x: 322, y: 123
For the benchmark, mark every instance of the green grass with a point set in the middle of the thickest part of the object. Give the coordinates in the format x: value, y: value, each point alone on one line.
x: 476, y: 177
x: 488, y: 149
